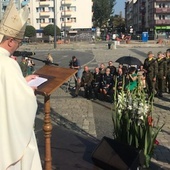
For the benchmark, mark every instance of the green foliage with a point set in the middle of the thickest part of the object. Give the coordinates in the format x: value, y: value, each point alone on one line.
x: 30, y: 31
x: 102, y: 11
x: 49, y: 30
x: 118, y: 23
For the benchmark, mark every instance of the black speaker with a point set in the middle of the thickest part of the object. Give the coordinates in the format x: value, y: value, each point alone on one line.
x: 110, y: 154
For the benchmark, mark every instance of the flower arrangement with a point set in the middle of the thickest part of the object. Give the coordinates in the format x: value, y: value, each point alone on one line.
x: 133, y: 122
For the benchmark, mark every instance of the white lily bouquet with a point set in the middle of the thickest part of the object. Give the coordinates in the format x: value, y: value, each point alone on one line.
x: 133, y: 122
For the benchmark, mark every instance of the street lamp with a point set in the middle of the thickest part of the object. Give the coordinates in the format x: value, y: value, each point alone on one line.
x: 55, y: 24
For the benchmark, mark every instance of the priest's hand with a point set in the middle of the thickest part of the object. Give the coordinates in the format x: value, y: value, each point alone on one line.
x: 30, y: 77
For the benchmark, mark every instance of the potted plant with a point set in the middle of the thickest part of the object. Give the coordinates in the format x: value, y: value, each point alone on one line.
x: 133, y: 122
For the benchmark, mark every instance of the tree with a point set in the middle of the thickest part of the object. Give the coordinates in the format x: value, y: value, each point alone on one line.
x: 30, y: 31
x: 102, y: 11
x: 49, y: 30
x: 118, y: 23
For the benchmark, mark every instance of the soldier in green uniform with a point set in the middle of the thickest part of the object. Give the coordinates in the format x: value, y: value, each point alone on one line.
x: 167, y: 58
x: 24, y: 66
x: 162, y: 71
x: 86, y: 81
x: 151, y: 69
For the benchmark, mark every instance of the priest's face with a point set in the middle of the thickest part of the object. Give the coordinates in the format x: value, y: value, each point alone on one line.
x: 19, y: 42
x: 14, y: 44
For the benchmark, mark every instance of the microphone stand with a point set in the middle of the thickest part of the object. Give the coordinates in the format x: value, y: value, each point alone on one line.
x: 44, y: 61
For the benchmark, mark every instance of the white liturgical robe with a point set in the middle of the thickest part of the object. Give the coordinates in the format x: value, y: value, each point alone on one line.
x: 18, y: 105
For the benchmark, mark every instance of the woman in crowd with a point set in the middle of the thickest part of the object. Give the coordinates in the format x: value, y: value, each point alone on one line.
x: 132, y: 76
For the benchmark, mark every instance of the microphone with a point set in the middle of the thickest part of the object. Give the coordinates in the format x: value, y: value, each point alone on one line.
x: 23, y: 53
x: 28, y: 54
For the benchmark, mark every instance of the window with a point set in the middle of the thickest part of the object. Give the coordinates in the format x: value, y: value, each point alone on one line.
x: 37, y: 20
x: 42, y: 9
x: 68, y: 8
x: 168, y: 16
x: 42, y: 20
x: 37, y: 10
x: 62, y: 19
x: 50, y: 9
x: 73, y: 8
x: 73, y: 20
x: 51, y: 20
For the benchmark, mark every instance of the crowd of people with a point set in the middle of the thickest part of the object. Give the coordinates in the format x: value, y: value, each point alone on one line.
x: 27, y: 66
x: 153, y: 76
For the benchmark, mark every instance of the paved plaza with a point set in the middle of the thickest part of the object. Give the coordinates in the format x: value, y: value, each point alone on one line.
x: 92, y: 120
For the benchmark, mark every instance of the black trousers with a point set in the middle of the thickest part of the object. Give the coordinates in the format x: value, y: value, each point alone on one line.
x: 88, y: 91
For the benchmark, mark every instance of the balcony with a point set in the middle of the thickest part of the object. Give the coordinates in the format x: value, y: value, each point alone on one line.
x: 66, y: 24
x: 44, y: 3
x: 66, y: 2
x: 66, y: 13
x: 162, y: 22
x: 162, y: 10
x: 42, y: 25
x: 45, y: 14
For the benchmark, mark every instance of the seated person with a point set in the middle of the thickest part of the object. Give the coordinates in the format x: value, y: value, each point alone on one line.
x: 141, y: 78
x: 85, y: 82
x: 106, y: 83
x: 96, y: 82
x: 132, y: 76
x: 120, y: 80
x: 102, y: 68
x: 112, y: 68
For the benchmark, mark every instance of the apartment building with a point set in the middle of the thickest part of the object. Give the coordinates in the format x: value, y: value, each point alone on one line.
x: 71, y: 16
x: 149, y: 15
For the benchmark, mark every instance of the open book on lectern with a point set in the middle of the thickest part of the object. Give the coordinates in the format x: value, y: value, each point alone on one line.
x: 37, y: 81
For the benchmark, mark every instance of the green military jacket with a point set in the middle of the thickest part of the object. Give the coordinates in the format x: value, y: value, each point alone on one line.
x: 151, y: 66
x: 162, y: 68
x: 87, y: 77
x: 168, y: 65
x: 24, y: 68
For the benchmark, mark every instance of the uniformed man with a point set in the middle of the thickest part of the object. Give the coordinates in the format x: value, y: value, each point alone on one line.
x: 162, y: 71
x: 112, y: 68
x: 151, y: 69
x: 24, y: 65
x: 168, y: 70
x: 86, y: 81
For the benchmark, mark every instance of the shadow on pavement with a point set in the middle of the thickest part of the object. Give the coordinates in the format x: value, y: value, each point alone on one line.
x: 160, y: 106
x: 70, y: 150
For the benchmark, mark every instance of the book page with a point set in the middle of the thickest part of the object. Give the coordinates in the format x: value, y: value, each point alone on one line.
x: 37, y: 81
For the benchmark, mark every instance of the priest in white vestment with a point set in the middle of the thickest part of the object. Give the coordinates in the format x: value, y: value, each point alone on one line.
x: 18, y: 105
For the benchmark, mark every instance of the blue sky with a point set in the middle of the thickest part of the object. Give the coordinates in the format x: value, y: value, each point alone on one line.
x: 120, y: 5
